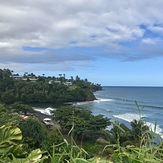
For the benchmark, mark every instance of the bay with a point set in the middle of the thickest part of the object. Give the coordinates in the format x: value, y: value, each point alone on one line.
x: 118, y: 103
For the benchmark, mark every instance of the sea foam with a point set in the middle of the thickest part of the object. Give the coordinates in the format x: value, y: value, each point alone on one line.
x: 46, y: 111
x: 129, y: 117
x: 155, y: 129
x: 82, y: 103
x: 97, y: 101
x: 102, y: 100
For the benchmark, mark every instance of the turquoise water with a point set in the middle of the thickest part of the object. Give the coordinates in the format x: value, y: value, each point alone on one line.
x: 118, y: 103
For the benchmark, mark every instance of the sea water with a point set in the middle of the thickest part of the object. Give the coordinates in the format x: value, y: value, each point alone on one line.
x: 119, y: 103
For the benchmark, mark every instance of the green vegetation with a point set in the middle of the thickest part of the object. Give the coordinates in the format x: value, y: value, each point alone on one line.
x: 82, y: 121
x: 34, y: 133
x: 6, y: 116
x: 40, y: 89
x: 11, y: 151
x: 80, y: 138
x: 22, y: 108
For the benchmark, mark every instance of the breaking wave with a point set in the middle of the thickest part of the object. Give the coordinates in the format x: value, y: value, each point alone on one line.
x: 99, y: 100
x: 102, y: 100
x: 130, y: 117
x: 46, y: 111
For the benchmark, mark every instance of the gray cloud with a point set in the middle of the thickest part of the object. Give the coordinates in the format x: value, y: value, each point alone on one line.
x: 53, y: 24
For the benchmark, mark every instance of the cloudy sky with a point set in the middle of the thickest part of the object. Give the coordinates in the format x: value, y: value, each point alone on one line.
x: 112, y: 42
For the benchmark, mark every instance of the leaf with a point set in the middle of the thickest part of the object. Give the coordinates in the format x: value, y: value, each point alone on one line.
x: 9, y: 133
x: 17, y: 151
x: 35, y: 155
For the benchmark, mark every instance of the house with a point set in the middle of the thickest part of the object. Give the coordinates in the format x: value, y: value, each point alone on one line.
x: 54, y: 82
x: 17, y: 77
x: 68, y: 83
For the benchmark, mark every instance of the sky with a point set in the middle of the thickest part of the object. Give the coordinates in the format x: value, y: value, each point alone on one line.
x: 110, y: 42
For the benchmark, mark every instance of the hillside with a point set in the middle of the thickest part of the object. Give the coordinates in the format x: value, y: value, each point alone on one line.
x: 30, y: 88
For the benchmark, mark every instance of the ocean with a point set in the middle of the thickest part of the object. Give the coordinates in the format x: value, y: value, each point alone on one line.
x: 118, y: 103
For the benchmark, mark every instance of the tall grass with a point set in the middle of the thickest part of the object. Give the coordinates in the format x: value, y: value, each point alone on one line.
x: 146, y: 152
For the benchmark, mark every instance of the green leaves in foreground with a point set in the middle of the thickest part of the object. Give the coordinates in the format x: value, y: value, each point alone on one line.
x: 8, y: 135
x: 35, y: 156
x: 10, y: 151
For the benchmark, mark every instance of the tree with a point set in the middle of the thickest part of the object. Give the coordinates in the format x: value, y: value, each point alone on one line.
x: 77, y: 78
x: 18, y: 107
x: 71, y: 78
x: 6, y: 73
x: 12, y: 90
x: 25, y: 74
x: 139, y: 129
x: 8, y: 97
x: 34, y: 132
x: 120, y: 133
x: 82, y: 121
x: 8, y: 117
x: 3, y: 114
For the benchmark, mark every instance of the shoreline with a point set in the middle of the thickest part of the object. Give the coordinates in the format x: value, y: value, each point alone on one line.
x: 41, y: 116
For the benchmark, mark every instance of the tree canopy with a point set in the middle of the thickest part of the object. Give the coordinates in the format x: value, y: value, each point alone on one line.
x: 82, y: 121
x: 40, y: 89
x: 33, y: 131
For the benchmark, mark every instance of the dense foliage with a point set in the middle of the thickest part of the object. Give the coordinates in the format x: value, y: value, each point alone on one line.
x: 30, y: 140
x: 6, y: 116
x: 82, y: 121
x: 22, y: 108
x: 34, y: 132
x: 40, y: 89
x: 120, y: 144
x: 12, y: 151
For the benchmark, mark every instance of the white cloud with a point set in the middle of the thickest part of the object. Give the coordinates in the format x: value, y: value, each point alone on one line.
x: 156, y: 29
x: 73, y: 23
x: 151, y: 40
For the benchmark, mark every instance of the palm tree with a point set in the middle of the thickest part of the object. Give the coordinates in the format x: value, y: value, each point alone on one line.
x: 139, y: 129
x: 120, y: 132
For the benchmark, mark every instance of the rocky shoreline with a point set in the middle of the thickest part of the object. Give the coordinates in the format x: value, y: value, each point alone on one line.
x: 41, y: 116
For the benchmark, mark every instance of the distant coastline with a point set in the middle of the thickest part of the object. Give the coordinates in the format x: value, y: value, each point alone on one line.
x: 133, y: 86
